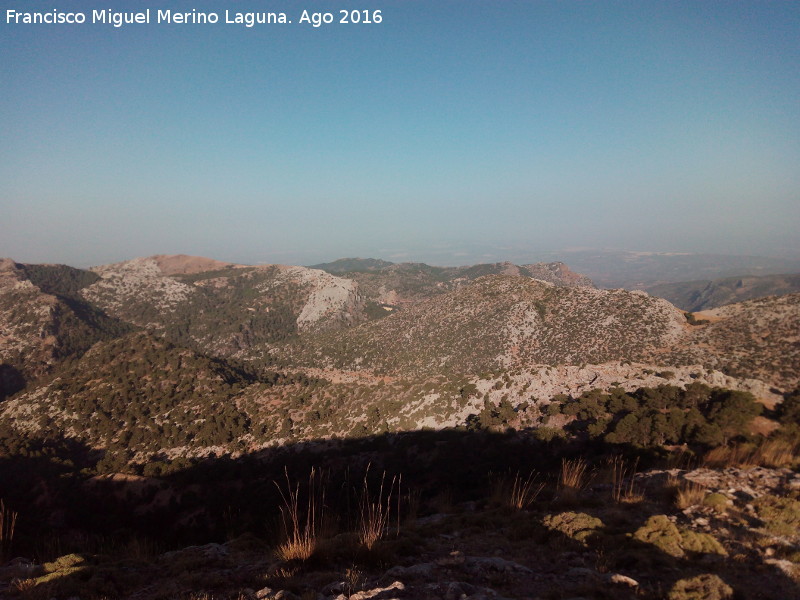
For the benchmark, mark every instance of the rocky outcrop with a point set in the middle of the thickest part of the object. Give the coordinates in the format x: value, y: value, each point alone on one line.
x: 136, y: 286
x: 332, y: 300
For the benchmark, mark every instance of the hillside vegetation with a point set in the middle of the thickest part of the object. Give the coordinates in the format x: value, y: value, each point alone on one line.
x: 504, y: 322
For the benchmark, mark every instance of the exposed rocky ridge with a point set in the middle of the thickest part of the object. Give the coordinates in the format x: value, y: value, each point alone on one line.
x: 707, y: 294
x: 557, y: 273
x: 174, y: 296
x: 510, y: 322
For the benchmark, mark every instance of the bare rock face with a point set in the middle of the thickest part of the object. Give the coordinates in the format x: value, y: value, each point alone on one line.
x: 331, y: 298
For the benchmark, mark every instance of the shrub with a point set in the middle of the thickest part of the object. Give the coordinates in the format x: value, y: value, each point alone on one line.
x: 662, y: 533
x: 780, y: 515
x: 701, y: 543
x: 716, y: 501
x: 576, y: 526
x: 702, y: 587
x: 732, y: 411
x: 548, y: 434
x: 692, y: 320
x: 789, y: 410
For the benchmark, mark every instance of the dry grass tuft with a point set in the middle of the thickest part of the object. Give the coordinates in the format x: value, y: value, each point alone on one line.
x: 354, y: 579
x: 8, y: 520
x: 738, y: 455
x: 517, y: 492
x: 301, y: 521
x: 573, y: 478
x: 689, y: 494
x: 623, y: 481
x: 777, y: 453
x: 374, y: 514
x: 772, y: 453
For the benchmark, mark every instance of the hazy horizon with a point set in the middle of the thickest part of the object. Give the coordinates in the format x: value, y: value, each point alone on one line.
x: 449, y: 130
x: 583, y: 259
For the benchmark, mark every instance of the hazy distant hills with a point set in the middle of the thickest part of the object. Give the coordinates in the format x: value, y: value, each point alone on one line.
x: 352, y: 265
x: 705, y: 294
x: 613, y: 268
x: 553, y: 272
x: 641, y: 270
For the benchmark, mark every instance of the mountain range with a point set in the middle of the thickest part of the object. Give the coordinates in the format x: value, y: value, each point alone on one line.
x: 351, y: 348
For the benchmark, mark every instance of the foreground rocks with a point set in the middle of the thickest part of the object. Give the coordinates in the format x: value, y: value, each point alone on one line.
x: 739, y: 539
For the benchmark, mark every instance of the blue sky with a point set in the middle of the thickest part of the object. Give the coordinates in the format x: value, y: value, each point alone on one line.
x: 449, y: 129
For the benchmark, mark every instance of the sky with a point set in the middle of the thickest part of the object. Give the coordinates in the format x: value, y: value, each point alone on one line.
x: 450, y: 131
